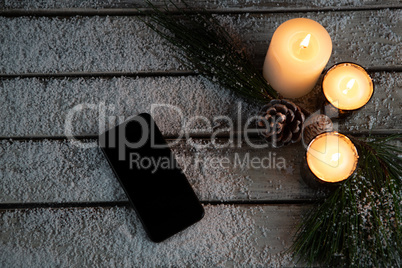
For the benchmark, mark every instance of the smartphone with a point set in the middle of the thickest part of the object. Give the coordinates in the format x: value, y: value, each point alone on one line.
x: 151, y: 178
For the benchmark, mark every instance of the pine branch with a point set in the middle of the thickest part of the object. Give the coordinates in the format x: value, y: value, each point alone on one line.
x: 359, y: 224
x: 206, y: 47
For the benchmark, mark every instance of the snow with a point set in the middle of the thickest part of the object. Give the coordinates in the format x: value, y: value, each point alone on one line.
x: 383, y: 110
x: 47, y: 171
x: 212, y: 4
x: 50, y: 45
x: 113, y: 237
x: 125, y: 44
x: 56, y: 171
x: 41, y: 106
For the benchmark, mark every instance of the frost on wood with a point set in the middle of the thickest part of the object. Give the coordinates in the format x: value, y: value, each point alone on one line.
x: 227, y: 235
x: 52, y: 171
x: 41, y: 106
x: 383, y: 110
x: 106, y: 44
x: 209, y: 4
x: 57, y: 171
x: 75, y: 44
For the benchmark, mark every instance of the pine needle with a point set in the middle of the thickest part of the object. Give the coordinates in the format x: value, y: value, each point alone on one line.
x: 207, y: 48
x: 359, y: 224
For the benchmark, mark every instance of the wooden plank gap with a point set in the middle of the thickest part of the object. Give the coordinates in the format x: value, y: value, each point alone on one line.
x: 265, y: 202
x: 370, y: 69
x: 54, y: 138
x: 15, y: 206
x: 236, y: 135
x: 144, y: 11
x: 99, y: 74
x: 105, y: 204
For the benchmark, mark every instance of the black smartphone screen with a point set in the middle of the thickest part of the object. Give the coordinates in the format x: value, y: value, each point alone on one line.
x: 154, y: 183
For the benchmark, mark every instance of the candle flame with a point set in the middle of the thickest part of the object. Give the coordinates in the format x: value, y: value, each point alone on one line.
x: 305, y: 42
x: 349, y: 86
x: 335, y: 157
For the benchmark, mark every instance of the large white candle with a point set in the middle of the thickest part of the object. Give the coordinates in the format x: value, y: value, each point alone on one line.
x: 298, y: 52
x: 332, y: 157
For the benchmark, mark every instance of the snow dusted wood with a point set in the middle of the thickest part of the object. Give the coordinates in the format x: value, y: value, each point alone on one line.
x: 83, y: 46
x: 58, y: 171
x: 33, y: 107
x: 124, y: 44
x: 210, y: 5
x: 383, y: 112
x: 113, y: 237
x: 42, y: 105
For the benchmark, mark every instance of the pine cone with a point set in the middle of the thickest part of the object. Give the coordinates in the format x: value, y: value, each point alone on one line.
x: 280, y: 122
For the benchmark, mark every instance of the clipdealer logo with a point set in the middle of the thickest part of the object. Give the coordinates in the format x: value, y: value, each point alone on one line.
x: 244, y: 161
x: 185, y: 132
x: 153, y: 163
x: 241, y: 161
x: 233, y: 127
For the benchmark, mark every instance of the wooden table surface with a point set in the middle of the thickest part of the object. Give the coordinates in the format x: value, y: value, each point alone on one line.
x: 60, y: 205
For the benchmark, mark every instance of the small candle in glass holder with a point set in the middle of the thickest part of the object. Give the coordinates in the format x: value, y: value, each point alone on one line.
x: 332, y: 157
x: 347, y: 86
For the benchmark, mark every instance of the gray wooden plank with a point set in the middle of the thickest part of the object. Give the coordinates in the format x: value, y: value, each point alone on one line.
x: 124, y: 44
x: 240, y: 235
x: 384, y: 109
x: 40, y: 107
x: 59, y: 171
x: 33, y: 107
x: 242, y: 5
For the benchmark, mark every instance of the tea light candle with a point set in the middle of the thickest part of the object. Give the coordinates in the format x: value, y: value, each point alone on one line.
x: 298, y: 52
x: 347, y: 86
x: 332, y: 157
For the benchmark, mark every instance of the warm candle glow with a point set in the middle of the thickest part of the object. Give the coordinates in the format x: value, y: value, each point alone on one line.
x: 347, y: 86
x: 332, y: 157
x: 298, y: 52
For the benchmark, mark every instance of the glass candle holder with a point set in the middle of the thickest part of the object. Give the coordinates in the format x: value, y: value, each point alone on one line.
x: 347, y: 87
x: 330, y: 159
